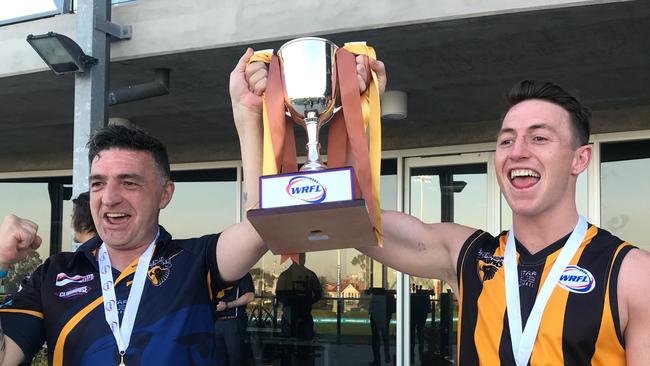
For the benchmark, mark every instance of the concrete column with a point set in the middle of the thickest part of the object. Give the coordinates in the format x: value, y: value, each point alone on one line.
x: 91, y: 87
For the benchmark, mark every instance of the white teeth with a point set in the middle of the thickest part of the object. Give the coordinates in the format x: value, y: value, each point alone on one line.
x: 523, y: 173
x: 113, y: 215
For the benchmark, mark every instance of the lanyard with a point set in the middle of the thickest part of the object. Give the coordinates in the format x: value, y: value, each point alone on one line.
x: 122, y: 333
x: 522, y: 342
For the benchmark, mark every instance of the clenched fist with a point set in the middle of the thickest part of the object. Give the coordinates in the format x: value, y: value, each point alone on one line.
x: 18, y: 239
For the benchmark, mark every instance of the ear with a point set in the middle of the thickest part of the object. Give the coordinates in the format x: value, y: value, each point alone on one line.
x: 581, y: 159
x: 168, y: 192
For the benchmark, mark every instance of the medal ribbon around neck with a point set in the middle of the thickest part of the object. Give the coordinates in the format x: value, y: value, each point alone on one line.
x: 522, y: 342
x: 122, y: 333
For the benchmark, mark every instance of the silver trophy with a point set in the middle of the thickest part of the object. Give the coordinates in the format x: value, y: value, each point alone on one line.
x: 308, y: 66
x: 303, y: 211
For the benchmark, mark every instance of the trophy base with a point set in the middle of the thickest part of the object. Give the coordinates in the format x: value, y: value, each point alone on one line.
x: 310, y: 228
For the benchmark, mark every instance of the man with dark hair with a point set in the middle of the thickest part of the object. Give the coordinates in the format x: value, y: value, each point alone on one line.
x: 579, y: 114
x: 83, y: 226
x: 85, y: 304
x: 560, y: 291
x: 576, y: 289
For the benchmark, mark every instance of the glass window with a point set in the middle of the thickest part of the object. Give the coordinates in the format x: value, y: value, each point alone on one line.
x: 67, y: 242
x: 455, y: 193
x: 624, y: 190
x: 385, y: 276
x: 199, y: 208
x: 204, y: 202
x: 29, y: 201
x: 13, y: 11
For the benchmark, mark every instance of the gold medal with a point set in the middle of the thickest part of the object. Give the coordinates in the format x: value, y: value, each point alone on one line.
x: 122, y: 359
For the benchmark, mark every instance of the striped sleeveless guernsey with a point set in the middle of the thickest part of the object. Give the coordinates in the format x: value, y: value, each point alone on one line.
x: 580, y: 324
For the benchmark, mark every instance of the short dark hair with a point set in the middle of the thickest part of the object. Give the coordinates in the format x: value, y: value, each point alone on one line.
x: 551, y: 92
x: 82, y: 219
x: 128, y: 138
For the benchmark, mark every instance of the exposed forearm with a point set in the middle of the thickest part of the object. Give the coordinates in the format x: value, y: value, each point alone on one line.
x: 249, y: 129
x: 239, y: 248
x: 241, y: 301
x: 416, y: 248
x: 400, y: 248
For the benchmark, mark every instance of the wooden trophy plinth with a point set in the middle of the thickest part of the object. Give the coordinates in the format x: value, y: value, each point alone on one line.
x: 314, y: 227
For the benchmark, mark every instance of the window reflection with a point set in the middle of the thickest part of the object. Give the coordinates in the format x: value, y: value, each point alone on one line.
x: 455, y: 193
x: 625, y: 192
x: 198, y: 208
x: 30, y: 201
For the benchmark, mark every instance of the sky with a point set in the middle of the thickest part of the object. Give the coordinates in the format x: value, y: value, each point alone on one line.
x: 19, y: 8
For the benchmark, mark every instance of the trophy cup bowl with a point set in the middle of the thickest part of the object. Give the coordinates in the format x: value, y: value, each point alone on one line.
x: 308, y: 66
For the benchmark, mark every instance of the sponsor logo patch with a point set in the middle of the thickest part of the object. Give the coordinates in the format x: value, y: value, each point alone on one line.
x: 577, y: 280
x: 306, y: 189
x: 63, y: 279
x: 77, y: 291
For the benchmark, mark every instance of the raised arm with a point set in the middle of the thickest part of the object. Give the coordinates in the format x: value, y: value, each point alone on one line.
x: 239, y: 246
x: 411, y: 246
x: 10, y: 353
x: 419, y: 249
x: 18, y: 238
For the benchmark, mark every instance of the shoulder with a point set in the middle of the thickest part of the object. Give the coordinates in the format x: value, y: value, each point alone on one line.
x: 604, y: 238
x: 635, y: 272
x: 477, y: 243
x: 195, y: 245
x: 634, y: 288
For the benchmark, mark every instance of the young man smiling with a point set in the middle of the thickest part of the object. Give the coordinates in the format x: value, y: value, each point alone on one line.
x: 562, y: 292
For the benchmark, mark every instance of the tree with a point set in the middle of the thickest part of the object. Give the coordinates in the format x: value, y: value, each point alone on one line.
x: 20, y: 270
x: 365, y: 264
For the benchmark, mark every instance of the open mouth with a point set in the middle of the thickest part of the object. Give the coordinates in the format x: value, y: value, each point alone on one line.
x: 524, y: 178
x: 116, y: 217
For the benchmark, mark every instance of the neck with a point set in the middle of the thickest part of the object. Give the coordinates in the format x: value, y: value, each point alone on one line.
x: 121, y: 258
x: 537, y: 232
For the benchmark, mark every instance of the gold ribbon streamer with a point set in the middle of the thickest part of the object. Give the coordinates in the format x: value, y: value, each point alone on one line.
x: 371, y: 109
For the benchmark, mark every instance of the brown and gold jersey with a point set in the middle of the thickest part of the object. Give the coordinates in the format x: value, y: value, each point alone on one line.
x: 580, y: 324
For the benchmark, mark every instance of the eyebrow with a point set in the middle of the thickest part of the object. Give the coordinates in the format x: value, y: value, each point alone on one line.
x: 538, y: 126
x: 119, y: 176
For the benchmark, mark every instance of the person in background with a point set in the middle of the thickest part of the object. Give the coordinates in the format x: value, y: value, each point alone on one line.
x: 232, y: 338
x: 298, y: 288
x: 83, y: 226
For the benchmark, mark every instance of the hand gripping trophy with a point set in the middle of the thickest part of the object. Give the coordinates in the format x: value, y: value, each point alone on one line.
x: 313, y: 82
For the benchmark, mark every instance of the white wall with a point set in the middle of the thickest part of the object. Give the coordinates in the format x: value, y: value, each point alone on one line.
x: 172, y: 26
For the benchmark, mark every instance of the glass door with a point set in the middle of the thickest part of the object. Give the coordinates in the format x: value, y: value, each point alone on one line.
x: 458, y: 189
